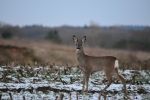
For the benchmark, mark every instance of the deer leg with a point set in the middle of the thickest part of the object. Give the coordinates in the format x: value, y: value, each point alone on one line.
x: 87, y: 80
x: 122, y: 80
x: 108, y: 84
x: 83, y: 82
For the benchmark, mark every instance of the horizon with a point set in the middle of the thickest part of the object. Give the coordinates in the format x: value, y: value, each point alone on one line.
x: 75, y: 13
x: 5, y: 24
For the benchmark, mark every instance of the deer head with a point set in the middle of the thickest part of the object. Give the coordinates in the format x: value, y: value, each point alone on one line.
x: 79, y: 44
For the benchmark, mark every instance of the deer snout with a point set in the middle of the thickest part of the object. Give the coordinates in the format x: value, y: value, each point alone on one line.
x: 78, y: 46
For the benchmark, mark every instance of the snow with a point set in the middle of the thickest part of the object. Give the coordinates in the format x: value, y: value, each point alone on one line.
x: 73, y: 88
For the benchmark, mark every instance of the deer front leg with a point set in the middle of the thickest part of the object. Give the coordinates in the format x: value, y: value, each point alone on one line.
x: 83, y: 82
x: 87, y: 81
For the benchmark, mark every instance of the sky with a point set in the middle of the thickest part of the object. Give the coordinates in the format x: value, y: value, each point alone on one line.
x: 75, y: 12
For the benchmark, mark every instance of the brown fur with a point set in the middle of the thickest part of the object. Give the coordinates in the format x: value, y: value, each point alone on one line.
x: 89, y: 64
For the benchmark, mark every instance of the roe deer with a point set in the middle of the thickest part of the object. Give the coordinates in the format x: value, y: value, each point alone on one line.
x: 89, y: 64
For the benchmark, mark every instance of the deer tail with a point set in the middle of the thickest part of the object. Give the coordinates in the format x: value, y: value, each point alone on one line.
x: 116, y: 64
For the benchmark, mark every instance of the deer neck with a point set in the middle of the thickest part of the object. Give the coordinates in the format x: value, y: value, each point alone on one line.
x: 80, y: 54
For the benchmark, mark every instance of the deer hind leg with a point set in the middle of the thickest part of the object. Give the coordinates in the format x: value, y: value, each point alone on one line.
x: 122, y: 80
x: 109, y: 77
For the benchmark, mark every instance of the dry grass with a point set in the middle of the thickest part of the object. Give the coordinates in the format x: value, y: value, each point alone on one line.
x: 63, y: 54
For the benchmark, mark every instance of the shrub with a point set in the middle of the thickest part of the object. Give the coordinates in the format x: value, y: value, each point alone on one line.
x: 53, y: 36
x: 6, y: 34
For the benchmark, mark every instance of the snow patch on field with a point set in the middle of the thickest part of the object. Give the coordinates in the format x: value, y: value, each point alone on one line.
x: 137, y: 91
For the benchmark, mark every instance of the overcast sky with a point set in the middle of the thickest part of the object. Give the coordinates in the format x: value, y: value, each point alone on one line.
x: 75, y: 12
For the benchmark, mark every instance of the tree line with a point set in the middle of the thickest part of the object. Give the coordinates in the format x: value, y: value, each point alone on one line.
x: 108, y: 37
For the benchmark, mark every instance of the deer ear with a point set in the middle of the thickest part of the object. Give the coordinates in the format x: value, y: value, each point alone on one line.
x: 75, y: 39
x: 83, y: 39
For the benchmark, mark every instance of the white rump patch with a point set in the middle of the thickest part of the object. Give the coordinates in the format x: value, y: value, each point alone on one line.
x: 116, y: 64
